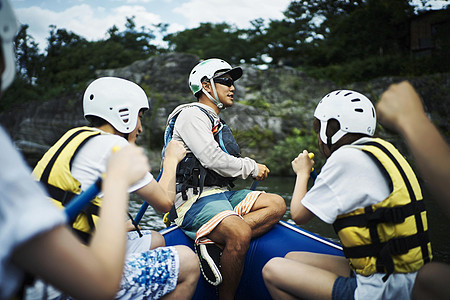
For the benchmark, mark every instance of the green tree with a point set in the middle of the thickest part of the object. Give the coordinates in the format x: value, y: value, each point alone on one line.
x: 212, y: 40
x: 29, y: 60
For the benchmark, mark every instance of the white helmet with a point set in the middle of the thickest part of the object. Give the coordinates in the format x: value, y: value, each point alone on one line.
x: 208, y: 70
x: 8, y: 30
x: 354, y: 112
x: 116, y: 100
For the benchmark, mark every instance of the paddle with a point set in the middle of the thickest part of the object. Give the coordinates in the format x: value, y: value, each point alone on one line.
x: 81, y: 200
x: 313, y: 173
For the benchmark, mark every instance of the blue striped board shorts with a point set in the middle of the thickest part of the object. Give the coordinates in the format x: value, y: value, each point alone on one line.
x: 197, y: 217
x: 150, y: 274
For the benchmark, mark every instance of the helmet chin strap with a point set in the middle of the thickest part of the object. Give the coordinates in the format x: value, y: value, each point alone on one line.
x: 216, y: 102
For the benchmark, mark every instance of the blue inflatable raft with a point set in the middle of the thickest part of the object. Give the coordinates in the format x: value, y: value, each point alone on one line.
x: 281, y: 239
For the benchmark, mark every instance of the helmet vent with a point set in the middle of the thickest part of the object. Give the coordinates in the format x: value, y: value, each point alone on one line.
x: 91, y: 97
x: 124, y: 114
x: 356, y: 100
x: 359, y: 110
x: 347, y: 94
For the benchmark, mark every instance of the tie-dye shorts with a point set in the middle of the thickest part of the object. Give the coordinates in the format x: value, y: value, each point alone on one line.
x: 150, y: 274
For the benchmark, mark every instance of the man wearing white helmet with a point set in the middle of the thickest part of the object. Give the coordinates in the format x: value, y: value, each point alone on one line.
x: 370, y: 194
x: 114, y: 107
x: 206, y: 210
x: 34, y: 236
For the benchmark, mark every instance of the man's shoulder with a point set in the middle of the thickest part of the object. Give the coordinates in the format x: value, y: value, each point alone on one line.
x: 195, y: 111
x: 107, y: 141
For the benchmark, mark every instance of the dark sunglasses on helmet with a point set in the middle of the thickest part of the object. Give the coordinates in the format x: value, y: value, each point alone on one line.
x: 224, y: 81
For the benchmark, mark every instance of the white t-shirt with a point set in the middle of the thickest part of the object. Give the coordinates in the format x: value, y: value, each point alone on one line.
x: 350, y: 179
x: 25, y: 211
x: 91, y: 160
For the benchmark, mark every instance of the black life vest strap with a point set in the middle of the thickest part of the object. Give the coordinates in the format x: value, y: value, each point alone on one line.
x: 412, y: 196
x: 83, y: 236
x: 46, y: 173
x: 59, y: 194
x: 395, y: 215
x: 384, y: 251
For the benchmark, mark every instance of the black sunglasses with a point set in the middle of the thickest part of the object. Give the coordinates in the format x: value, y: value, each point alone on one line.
x: 225, y: 81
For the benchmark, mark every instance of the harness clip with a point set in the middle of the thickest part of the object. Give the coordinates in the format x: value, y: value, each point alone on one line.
x: 394, y: 215
x: 398, y: 246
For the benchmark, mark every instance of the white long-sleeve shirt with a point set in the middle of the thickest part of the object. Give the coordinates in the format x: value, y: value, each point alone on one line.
x: 194, y: 128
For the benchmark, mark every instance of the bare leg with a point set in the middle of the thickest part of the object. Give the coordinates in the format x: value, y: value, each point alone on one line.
x: 336, y: 264
x: 294, y: 277
x: 432, y: 282
x: 188, y: 275
x: 234, y: 234
x: 157, y: 240
x: 266, y: 212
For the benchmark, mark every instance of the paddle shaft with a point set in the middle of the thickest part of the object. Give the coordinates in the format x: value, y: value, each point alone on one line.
x: 80, y: 201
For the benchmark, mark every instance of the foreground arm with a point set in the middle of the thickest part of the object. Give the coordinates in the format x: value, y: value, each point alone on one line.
x: 400, y: 108
x: 93, y: 272
x: 301, y: 165
x: 160, y: 195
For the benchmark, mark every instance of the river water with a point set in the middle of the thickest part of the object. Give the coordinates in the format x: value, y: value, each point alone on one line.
x: 439, y: 224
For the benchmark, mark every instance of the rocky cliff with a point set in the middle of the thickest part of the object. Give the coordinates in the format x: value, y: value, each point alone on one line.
x: 273, y: 100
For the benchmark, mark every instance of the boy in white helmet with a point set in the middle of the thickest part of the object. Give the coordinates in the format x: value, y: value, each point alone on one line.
x: 207, y: 211
x: 34, y: 237
x: 370, y: 194
x: 114, y: 107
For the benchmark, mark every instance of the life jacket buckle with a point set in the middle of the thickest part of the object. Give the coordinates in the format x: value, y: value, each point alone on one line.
x: 398, y: 246
x: 394, y: 215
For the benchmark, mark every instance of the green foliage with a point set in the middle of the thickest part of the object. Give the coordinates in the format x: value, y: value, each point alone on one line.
x: 258, y: 103
x: 372, y: 67
x: 281, y: 155
x: 255, y: 138
x: 216, y: 40
x: 70, y: 60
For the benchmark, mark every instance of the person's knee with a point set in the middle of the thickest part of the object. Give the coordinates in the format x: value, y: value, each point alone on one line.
x: 188, y: 260
x: 278, y: 204
x: 187, y: 256
x: 157, y: 240
x: 270, y: 268
x: 238, y: 236
x: 274, y: 203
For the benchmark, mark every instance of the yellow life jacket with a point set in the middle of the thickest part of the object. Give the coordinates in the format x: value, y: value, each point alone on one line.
x: 53, y: 170
x: 392, y: 235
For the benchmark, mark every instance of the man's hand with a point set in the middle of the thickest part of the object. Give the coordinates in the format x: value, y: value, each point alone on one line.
x: 175, y: 150
x: 263, y: 172
x: 399, y: 105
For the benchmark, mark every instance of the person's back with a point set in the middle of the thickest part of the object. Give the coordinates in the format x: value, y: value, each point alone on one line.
x: 368, y: 191
x: 79, y: 157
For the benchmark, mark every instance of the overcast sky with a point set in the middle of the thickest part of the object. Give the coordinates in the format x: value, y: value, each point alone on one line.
x: 92, y: 18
